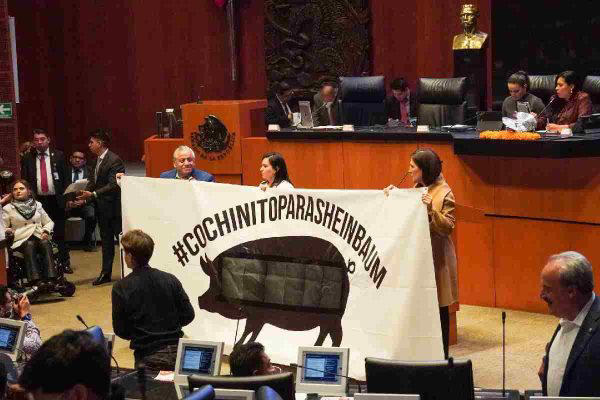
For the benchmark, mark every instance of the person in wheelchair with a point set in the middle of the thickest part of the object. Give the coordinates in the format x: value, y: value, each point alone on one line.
x: 30, y: 227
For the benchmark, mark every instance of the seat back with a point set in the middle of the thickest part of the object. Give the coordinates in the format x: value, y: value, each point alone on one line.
x: 542, y: 86
x: 206, y: 392
x: 429, y: 379
x: 442, y: 101
x: 591, y: 85
x: 361, y: 100
x: 282, y: 383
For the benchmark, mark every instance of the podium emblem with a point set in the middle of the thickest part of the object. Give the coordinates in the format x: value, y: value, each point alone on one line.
x: 212, y: 140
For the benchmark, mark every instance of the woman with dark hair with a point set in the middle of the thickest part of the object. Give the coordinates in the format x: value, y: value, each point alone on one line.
x: 518, y: 87
x: 274, y: 173
x: 425, y: 168
x: 25, y: 220
x: 568, y: 104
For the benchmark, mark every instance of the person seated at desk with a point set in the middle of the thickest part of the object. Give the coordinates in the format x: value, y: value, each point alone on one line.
x: 149, y: 306
x: 29, y: 225
x: 70, y: 365
x: 326, y: 109
x: 184, y: 161
x: 250, y: 359
x: 17, y: 307
x: 399, y: 105
x: 518, y: 86
x: 274, y: 172
x: 278, y: 111
x: 568, y: 104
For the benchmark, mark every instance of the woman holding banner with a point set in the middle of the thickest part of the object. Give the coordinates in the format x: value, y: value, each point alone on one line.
x: 274, y: 173
x: 426, y: 171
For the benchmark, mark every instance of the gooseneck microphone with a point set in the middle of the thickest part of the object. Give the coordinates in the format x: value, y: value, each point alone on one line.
x: 503, y: 354
x: 110, y: 354
x: 141, y: 380
x: 293, y: 365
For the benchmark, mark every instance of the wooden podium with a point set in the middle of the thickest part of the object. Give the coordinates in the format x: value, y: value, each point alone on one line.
x: 218, y: 151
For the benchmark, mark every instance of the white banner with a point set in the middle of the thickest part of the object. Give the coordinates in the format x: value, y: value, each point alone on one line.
x: 296, y: 268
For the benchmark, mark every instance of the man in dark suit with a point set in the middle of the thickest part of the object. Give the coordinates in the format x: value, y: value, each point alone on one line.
x: 278, y: 110
x: 326, y: 109
x: 46, y: 170
x: 77, y: 170
x: 103, y: 190
x: 400, y: 105
x: 571, y: 365
x: 184, y: 161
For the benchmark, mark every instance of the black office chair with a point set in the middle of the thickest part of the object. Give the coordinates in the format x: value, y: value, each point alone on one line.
x: 442, y: 101
x: 591, y: 85
x: 543, y: 86
x: 282, y: 383
x: 361, y: 100
x: 432, y: 380
x: 206, y: 392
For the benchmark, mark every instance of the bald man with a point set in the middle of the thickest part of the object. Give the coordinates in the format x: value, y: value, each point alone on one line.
x: 326, y: 110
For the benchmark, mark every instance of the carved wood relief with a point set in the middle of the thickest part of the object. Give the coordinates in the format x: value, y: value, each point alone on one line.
x: 308, y: 42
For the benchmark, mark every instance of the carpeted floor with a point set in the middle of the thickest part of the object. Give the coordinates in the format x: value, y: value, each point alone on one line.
x: 480, y: 328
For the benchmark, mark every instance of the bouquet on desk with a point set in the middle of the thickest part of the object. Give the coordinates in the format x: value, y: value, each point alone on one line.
x: 509, y: 135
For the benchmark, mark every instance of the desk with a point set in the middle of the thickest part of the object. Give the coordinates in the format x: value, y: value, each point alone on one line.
x: 515, y: 207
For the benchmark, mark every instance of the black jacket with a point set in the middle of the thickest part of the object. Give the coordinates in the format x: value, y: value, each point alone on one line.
x: 86, y: 173
x: 275, y: 114
x: 583, y: 366
x: 392, y: 107
x: 108, y: 193
x: 149, y: 307
x: 58, y: 168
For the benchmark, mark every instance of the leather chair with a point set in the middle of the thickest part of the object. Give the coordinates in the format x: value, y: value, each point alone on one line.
x: 591, y: 85
x: 543, y: 86
x: 442, y: 101
x: 206, y: 392
x: 282, y: 383
x: 361, y: 100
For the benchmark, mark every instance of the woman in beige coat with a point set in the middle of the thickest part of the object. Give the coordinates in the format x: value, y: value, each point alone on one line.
x: 426, y: 171
x: 29, y: 225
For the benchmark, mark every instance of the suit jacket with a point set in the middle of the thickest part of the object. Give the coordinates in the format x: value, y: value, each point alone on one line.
x: 583, y: 366
x: 24, y: 228
x: 321, y: 116
x: 86, y: 174
x: 392, y: 107
x: 58, y: 168
x: 198, y: 175
x: 275, y: 114
x: 108, y: 192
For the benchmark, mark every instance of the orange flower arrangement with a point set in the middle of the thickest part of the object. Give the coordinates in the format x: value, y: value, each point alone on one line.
x: 509, y: 135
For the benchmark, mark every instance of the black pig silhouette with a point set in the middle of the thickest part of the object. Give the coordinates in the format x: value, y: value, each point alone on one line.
x: 296, y: 283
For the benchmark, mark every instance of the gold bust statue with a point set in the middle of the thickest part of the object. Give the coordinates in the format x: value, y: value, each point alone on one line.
x: 471, y: 38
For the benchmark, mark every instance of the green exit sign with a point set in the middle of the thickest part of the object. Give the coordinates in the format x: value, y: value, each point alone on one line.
x: 6, y: 110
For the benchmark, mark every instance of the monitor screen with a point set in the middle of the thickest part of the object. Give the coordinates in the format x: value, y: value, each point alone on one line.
x: 322, y: 368
x: 197, y: 360
x: 8, y: 337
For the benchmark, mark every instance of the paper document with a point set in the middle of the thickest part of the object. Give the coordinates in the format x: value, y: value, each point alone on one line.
x: 76, y: 186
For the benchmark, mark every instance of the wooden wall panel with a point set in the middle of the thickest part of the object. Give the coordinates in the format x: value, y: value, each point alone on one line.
x: 374, y: 165
x: 313, y: 164
x: 585, y: 239
x: 521, y: 248
x: 560, y: 189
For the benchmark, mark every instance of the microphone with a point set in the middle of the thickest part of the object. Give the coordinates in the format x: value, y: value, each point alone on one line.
x: 341, y: 111
x: 237, y: 325
x: 504, y: 352
x: 403, y: 178
x: 141, y: 380
x: 547, y: 105
x: 465, y: 121
x: 293, y: 365
x: 110, y: 354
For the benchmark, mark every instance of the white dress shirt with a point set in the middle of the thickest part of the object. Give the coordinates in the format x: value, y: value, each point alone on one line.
x: 48, y: 174
x: 561, y: 348
x: 100, y: 159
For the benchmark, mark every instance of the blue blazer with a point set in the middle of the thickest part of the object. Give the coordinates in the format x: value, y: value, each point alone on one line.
x: 199, y: 175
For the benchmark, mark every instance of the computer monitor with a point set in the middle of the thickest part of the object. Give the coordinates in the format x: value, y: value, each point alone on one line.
x: 429, y: 379
x: 234, y: 394
x: 306, y: 117
x: 195, y: 357
x: 11, y: 337
x: 110, y: 342
x: 322, y: 370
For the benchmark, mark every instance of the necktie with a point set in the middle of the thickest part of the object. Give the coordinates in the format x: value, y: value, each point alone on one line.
x: 77, y: 173
x: 97, y: 168
x: 43, y: 174
x: 331, y: 122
